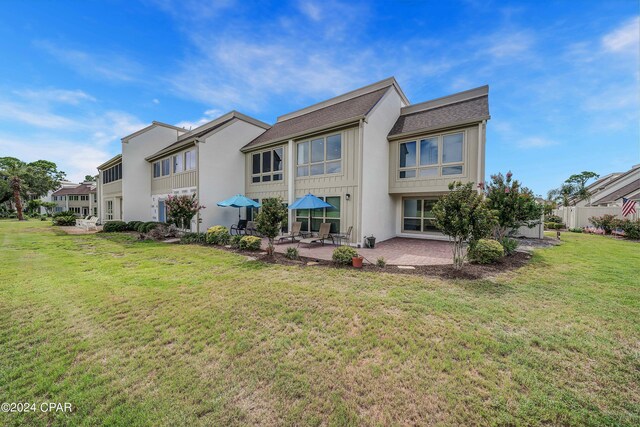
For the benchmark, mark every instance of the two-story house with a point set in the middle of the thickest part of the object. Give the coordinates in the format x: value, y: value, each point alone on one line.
x: 80, y: 199
x: 380, y: 161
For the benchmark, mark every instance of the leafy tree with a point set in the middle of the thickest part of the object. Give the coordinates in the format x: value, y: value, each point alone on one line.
x: 512, y: 204
x: 48, y: 206
x: 579, y: 183
x: 269, y: 220
x: 89, y: 178
x: 33, y: 206
x: 561, y: 194
x: 463, y: 216
x: 182, y: 209
x: 23, y: 179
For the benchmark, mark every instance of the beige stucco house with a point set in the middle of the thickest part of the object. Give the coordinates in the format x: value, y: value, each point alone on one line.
x: 80, y: 199
x: 379, y: 160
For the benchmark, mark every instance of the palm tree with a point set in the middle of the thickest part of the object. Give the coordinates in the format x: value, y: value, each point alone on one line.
x: 11, y: 169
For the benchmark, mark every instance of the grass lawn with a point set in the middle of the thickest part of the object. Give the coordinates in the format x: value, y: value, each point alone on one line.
x: 137, y: 333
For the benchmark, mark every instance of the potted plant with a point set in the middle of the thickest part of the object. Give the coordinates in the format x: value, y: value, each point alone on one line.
x: 356, y: 261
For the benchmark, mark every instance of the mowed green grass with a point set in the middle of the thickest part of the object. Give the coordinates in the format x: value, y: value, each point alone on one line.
x: 136, y: 333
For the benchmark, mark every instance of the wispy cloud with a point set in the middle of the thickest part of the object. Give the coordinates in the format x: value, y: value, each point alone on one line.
x: 310, y: 9
x: 110, y: 66
x: 625, y: 38
x: 207, y: 117
x: 535, y: 142
x: 73, y: 97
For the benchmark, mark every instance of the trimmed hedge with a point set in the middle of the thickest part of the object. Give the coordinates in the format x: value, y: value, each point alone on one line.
x: 234, y: 241
x: 250, y: 243
x: 114, y: 226
x: 64, y: 218
x: 193, y: 238
x: 343, y: 255
x: 133, y: 225
x: 486, y: 251
x: 553, y: 225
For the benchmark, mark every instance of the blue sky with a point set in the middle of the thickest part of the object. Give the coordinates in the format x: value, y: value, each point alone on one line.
x: 76, y: 76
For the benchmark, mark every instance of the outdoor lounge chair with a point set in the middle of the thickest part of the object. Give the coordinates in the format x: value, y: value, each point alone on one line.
x: 323, y: 234
x: 80, y: 221
x: 251, y: 229
x: 91, y: 223
x: 238, y: 228
x: 345, y: 236
x: 296, y: 231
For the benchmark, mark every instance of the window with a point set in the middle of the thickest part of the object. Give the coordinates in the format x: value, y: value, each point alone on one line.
x: 267, y: 166
x: 190, y: 160
x: 109, y: 209
x: 84, y: 198
x: 417, y: 215
x: 178, y: 163
x: 165, y: 167
x: 319, y: 156
x: 95, y: 211
x: 114, y: 173
x: 432, y: 157
x: 156, y: 169
x: 73, y: 197
x: 318, y: 216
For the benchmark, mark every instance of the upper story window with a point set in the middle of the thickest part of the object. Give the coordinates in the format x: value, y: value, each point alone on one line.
x: 267, y: 165
x: 319, y: 156
x: 114, y: 173
x: 190, y: 160
x: 178, y: 163
x: 162, y: 168
x: 435, y: 156
x: 85, y: 198
x: 73, y: 197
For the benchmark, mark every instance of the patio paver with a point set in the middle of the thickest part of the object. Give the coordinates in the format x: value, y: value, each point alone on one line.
x: 396, y: 251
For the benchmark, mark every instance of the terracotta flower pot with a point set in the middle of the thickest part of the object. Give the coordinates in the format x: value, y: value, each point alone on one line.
x: 357, y: 261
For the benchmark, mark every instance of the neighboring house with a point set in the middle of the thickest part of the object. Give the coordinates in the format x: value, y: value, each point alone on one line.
x: 379, y: 160
x: 80, y: 199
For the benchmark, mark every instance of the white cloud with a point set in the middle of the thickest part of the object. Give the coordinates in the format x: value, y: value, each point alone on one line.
x: 33, y: 116
x: 207, y: 117
x: 509, y: 44
x: 73, y: 97
x: 625, y: 38
x: 155, y: 101
x: 112, y: 67
x: 310, y: 9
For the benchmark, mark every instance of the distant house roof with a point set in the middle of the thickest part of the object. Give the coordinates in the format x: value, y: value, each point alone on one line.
x: 629, y: 189
x: 458, y: 109
x: 336, y: 111
x: 190, y: 137
x: 78, y: 190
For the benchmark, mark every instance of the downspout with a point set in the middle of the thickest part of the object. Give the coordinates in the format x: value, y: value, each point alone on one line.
x: 197, y: 141
x: 291, y: 187
x: 360, y: 183
x: 481, y: 142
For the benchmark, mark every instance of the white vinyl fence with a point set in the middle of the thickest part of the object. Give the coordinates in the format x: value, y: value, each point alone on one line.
x: 576, y: 217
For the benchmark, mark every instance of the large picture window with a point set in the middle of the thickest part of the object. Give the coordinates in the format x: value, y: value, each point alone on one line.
x: 435, y: 156
x: 417, y: 215
x: 267, y: 166
x: 319, y: 156
x: 318, y: 216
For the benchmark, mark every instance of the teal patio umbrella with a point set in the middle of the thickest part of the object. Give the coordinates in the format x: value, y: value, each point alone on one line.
x: 309, y: 202
x: 239, y: 201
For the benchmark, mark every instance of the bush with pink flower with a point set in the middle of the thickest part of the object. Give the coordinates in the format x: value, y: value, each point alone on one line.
x: 182, y: 209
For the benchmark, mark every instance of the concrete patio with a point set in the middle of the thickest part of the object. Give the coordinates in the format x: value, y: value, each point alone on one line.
x: 396, y: 251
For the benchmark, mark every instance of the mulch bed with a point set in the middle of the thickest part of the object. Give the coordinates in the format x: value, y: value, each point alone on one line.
x: 469, y: 272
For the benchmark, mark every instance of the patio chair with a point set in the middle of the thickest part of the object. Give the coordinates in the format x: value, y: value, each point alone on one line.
x: 251, y: 229
x: 296, y: 231
x: 80, y: 221
x: 323, y: 234
x: 346, y: 235
x: 238, y: 228
x: 91, y: 223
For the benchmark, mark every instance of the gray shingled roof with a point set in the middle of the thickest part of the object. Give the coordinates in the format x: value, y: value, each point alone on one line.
x: 467, y: 111
x: 632, y: 187
x: 80, y: 189
x: 332, y: 114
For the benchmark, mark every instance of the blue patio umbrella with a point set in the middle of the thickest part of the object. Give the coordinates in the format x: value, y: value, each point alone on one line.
x: 310, y: 202
x: 238, y: 201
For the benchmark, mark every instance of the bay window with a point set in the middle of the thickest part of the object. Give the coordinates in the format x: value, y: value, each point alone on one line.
x: 431, y: 157
x: 319, y: 156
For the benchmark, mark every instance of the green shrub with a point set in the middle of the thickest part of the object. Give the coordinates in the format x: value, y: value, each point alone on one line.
x: 218, y: 235
x: 510, y: 245
x: 114, y: 226
x: 631, y: 228
x: 140, y: 227
x: 343, y: 255
x: 553, y: 225
x: 380, y: 262
x: 193, y: 238
x: 250, y: 243
x: 234, y: 241
x: 553, y: 218
x: 64, y: 218
x: 575, y: 230
x: 486, y: 251
x: 292, y: 253
x: 148, y: 226
x: 133, y: 225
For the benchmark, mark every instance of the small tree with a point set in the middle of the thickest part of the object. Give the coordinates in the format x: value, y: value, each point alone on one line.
x: 269, y: 220
x: 182, y: 209
x: 464, y: 217
x: 48, y: 207
x: 512, y: 205
x: 578, y: 182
